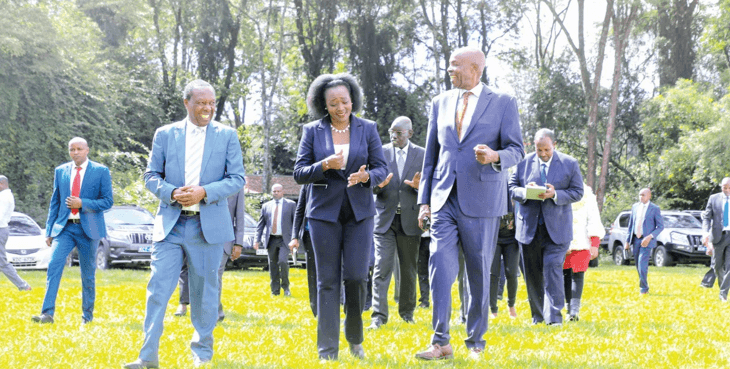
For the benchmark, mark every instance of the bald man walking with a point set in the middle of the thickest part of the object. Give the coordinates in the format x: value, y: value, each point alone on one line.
x: 645, y: 225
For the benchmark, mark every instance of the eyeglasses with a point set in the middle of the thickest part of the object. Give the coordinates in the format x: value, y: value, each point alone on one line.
x: 398, y: 133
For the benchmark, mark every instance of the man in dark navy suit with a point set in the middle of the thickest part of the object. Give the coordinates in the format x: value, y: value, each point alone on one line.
x: 82, y: 191
x: 473, y: 138
x: 544, y: 226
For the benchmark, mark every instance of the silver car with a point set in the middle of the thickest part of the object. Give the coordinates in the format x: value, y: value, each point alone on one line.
x: 26, y: 247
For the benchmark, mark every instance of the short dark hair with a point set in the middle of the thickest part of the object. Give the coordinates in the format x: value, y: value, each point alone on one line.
x: 315, y: 95
x: 194, y: 85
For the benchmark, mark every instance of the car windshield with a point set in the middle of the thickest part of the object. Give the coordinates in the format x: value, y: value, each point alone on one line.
x: 127, y: 216
x: 23, y: 226
x: 680, y: 221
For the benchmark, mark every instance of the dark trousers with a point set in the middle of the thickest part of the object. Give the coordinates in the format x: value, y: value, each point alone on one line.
x: 423, y: 254
x: 311, y: 271
x: 278, y: 264
x: 509, y: 254
x: 387, y: 245
x: 722, y: 264
x: 342, y: 253
x: 544, y: 260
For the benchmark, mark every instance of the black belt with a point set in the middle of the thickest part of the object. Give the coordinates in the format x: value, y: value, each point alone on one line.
x: 725, y: 232
x: 189, y: 213
x: 275, y: 236
x: 74, y: 221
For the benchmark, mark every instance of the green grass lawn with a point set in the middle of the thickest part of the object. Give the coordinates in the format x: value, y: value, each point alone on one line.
x: 678, y: 325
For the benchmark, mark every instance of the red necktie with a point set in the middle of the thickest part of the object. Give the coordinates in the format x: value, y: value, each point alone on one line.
x: 460, y: 114
x: 76, y: 188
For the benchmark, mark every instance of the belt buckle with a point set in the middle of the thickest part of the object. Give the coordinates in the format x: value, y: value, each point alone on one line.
x: 397, y: 210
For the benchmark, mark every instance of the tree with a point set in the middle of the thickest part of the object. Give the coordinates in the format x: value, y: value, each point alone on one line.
x: 677, y: 32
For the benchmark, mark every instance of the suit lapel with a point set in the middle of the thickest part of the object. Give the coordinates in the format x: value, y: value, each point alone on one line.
x: 356, y: 138
x: 482, y: 104
x: 555, y: 166
x: 409, y: 160
x: 324, y: 136
x: 179, y: 147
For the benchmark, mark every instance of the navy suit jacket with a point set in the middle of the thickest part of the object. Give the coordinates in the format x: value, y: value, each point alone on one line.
x: 481, y: 189
x: 221, y: 175
x: 653, y: 223
x: 96, y: 197
x: 300, y: 221
x: 237, y: 208
x: 564, y: 174
x: 266, y: 220
x: 712, y: 216
x: 387, y: 198
x: 325, y: 196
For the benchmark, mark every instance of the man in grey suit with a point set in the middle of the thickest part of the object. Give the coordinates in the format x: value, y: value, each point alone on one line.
x: 231, y: 250
x: 716, y: 224
x: 396, y: 223
x: 275, y: 225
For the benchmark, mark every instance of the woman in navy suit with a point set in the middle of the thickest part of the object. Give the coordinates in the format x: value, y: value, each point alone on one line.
x: 341, y: 156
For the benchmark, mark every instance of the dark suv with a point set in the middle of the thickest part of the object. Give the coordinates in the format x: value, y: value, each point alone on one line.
x: 128, y: 237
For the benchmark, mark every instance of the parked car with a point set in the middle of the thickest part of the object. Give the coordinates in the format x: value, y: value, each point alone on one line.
x: 680, y: 242
x: 128, y: 238
x: 258, y: 258
x: 26, y: 247
x: 695, y: 213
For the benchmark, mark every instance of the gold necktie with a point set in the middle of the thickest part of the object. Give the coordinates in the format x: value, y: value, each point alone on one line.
x: 460, y: 114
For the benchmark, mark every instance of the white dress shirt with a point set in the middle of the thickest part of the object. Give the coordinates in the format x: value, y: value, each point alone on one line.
x: 194, y: 148
x: 345, y: 154
x: 82, y: 173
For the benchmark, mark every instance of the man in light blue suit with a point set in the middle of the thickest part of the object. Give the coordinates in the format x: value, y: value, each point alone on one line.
x: 194, y: 166
x: 544, y: 227
x: 473, y: 137
x: 645, y: 225
x: 82, y: 191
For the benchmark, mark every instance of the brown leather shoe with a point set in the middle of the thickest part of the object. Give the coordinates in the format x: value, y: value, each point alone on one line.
x: 436, y: 352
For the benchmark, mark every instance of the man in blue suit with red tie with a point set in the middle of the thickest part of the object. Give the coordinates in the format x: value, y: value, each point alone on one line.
x: 82, y: 191
x: 194, y: 166
x: 473, y: 138
x: 544, y: 226
x: 645, y: 225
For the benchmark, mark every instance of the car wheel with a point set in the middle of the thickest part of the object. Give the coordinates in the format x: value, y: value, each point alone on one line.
x: 618, y: 255
x: 662, y: 257
x: 102, y: 257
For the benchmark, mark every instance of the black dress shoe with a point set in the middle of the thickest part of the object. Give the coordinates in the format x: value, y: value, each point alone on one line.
x: 573, y: 318
x: 43, y: 319
x: 221, y: 318
x: 357, y: 351
x: 409, y: 319
x: 141, y: 364
x: 423, y: 305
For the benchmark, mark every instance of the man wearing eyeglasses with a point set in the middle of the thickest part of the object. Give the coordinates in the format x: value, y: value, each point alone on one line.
x: 396, y: 223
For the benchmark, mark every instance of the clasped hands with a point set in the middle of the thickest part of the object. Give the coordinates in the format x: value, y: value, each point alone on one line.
x: 414, y: 183
x: 188, y: 195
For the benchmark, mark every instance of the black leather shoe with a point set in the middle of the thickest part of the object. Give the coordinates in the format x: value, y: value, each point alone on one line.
x: 357, y: 351
x: 141, y: 364
x: 43, y: 319
x: 409, y: 320
x: 423, y: 305
x: 573, y: 318
x: 221, y: 318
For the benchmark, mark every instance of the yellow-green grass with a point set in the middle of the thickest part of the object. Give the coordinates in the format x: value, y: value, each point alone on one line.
x: 678, y: 325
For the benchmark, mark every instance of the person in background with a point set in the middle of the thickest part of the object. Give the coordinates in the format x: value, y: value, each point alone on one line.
x: 645, y: 224
x: 7, y: 205
x: 82, y: 191
x: 716, y: 224
x: 507, y: 253
x: 301, y: 238
x: 587, y: 233
x: 275, y: 225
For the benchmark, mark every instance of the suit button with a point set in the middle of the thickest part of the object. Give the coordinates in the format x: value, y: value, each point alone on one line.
x: 459, y: 150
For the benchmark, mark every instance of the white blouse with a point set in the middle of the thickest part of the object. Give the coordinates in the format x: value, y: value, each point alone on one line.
x: 345, y: 152
x: 586, y: 221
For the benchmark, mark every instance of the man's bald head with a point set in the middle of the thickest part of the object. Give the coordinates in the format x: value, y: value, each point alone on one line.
x: 277, y: 190
x: 645, y: 195
x: 401, y: 131
x: 466, y: 67
x: 725, y: 185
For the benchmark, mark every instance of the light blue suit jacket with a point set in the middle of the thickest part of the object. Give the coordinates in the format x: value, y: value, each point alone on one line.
x: 653, y: 223
x: 564, y: 175
x: 325, y: 197
x: 482, y: 190
x: 221, y: 175
x: 96, y: 197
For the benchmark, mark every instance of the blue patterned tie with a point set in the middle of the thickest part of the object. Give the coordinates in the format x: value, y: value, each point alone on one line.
x: 543, y: 175
x: 725, y: 214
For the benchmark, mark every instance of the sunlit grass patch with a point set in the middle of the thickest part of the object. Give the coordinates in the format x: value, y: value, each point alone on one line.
x: 678, y: 325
